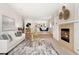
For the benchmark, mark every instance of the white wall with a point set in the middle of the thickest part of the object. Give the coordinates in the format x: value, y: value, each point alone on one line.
x: 77, y: 11
x: 76, y: 29
x: 5, y: 9
x: 76, y: 37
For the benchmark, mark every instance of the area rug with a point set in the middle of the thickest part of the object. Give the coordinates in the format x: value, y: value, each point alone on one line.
x: 37, y: 47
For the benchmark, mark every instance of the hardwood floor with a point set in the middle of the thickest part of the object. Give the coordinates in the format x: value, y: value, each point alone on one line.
x: 61, y: 48
x: 44, y: 35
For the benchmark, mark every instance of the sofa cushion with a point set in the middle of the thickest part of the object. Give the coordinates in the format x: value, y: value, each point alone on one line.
x: 18, y: 34
x: 12, y: 35
x: 4, y: 37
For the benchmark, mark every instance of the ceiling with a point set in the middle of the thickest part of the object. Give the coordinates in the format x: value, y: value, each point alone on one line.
x: 35, y: 9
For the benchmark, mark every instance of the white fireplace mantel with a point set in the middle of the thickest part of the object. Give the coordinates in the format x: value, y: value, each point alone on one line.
x: 67, y: 21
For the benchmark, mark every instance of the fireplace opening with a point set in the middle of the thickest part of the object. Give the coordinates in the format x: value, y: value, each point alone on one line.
x: 65, y: 34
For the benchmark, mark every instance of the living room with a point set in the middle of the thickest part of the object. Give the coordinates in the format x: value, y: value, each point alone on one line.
x: 39, y: 25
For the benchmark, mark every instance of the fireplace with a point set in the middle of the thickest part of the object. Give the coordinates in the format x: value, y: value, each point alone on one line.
x: 65, y: 34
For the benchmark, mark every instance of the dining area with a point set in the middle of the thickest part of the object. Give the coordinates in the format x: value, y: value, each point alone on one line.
x: 38, y: 31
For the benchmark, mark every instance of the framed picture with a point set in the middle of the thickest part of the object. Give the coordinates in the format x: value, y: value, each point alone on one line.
x: 8, y: 24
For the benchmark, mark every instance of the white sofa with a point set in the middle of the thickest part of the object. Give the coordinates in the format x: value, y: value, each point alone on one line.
x: 7, y: 45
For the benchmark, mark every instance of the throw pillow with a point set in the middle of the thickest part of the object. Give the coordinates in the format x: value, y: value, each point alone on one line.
x: 4, y: 37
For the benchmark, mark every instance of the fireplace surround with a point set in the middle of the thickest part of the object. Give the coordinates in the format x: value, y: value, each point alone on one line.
x: 66, y: 36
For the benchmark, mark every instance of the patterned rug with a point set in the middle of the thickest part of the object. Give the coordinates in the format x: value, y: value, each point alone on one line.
x: 37, y: 47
